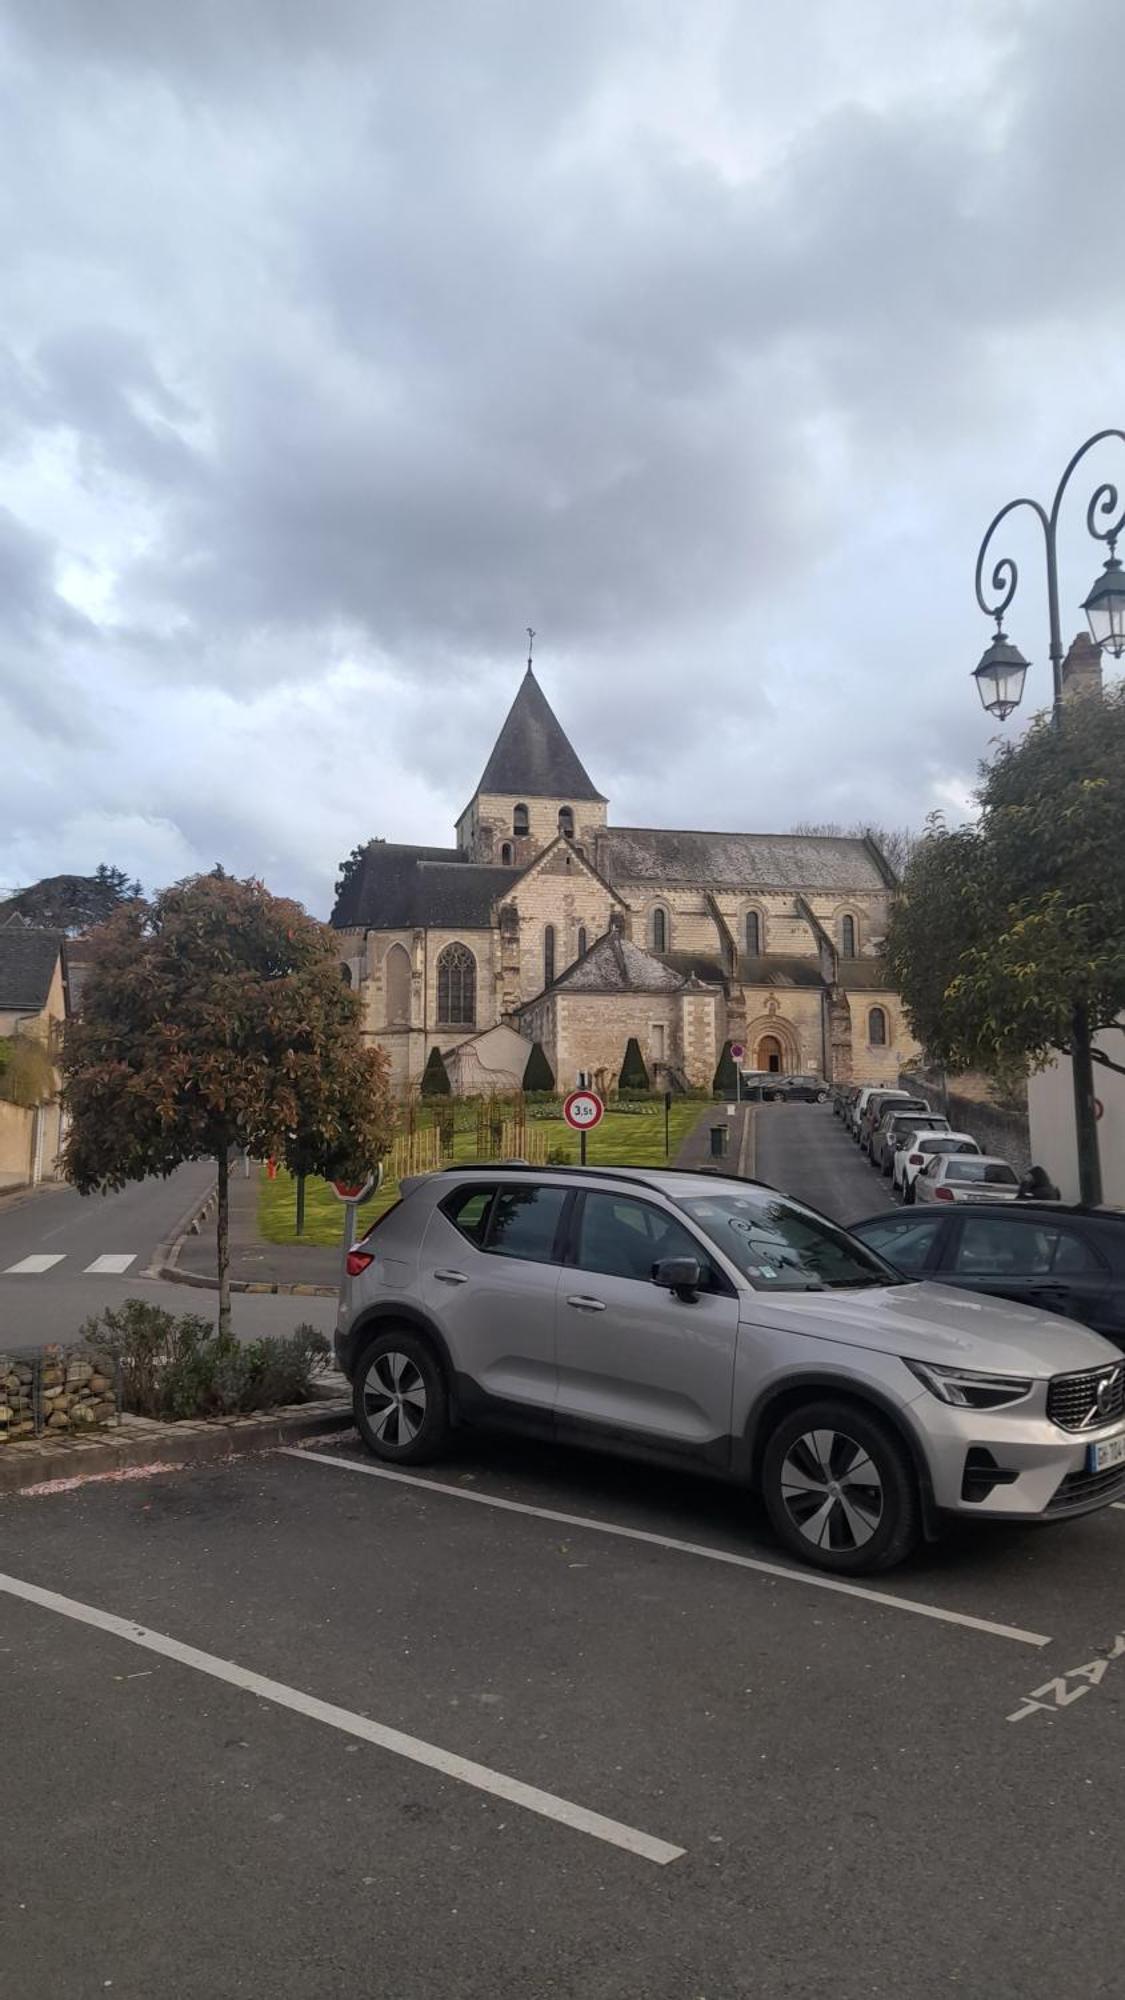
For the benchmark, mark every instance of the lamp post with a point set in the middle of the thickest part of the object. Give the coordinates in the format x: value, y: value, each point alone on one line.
x: 1000, y: 676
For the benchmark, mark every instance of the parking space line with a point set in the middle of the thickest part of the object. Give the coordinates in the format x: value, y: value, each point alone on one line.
x: 809, y: 1576
x: 1118, y: 1506
x: 546, y: 1804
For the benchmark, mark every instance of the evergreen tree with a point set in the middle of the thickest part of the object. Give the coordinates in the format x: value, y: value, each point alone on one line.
x: 726, y: 1076
x: 538, y: 1074
x: 435, y: 1076
x: 634, y: 1075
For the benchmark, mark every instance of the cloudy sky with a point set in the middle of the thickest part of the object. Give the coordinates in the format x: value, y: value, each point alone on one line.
x: 343, y: 341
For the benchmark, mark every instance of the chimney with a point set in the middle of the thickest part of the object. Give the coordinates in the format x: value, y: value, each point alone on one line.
x: 1082, y: 669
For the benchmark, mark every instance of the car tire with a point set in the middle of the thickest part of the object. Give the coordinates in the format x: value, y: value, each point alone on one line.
x: 400, y: 1400
x: 908, y: 1195
x: 865, y: 1524
x: 822, y: 1097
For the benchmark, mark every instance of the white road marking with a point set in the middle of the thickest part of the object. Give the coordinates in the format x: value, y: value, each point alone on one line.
x: 546, y: 1804
x: 809, y: 1576
x: 111, y: 1265
x: 1118, y: 1506
x: 33, y: 1267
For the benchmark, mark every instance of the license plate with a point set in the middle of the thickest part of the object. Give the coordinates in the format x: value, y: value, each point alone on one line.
x: 1111, y: 1451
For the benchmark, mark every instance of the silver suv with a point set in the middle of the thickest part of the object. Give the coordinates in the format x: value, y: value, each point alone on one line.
x: 696, y: 1320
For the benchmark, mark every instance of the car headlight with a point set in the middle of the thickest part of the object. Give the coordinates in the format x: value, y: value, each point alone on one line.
x: 969, y: 1390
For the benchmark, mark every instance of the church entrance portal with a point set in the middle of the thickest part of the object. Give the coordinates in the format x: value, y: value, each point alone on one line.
x: 769, y: 1055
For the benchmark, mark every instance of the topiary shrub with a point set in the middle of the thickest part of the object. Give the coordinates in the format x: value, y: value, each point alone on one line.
x: 435, y: 1076
x: 538, y: 1076
x: 634, y: 1075
x: 726, y: 1076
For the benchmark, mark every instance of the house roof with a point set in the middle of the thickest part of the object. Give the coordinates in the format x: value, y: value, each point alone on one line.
x: 27, y: 966
x: 738, y: 860
x: 614, y: 964
x: 399, y: 888
x: 532, y: 756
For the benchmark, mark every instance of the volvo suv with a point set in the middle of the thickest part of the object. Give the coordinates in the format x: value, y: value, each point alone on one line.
x: 702, y: 1321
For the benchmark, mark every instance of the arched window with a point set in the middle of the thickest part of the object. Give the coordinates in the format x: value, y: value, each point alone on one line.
x: 658, y: 929
x: 346, y: 974
x: 847, y: 937
x: 581, y: 940
x: 520, y: 822
x: 549, y: 955
x: 877, y: 1028
x: 457, y: 987
x: 566, y: 822
x: 396, y: 984
x: 505, y: 854
x: 753, y: 933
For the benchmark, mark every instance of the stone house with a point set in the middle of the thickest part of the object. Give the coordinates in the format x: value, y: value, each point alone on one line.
x: 545, y: 919
x: 33, y: 1009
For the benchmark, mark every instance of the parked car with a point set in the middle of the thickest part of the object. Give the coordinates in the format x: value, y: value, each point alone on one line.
x: 862, y: 1100
x: 843, y: 1097
x: 698, y: 1320
x: 1062, y: 1259
x: 896, y: 1122
x: 754, y: 1084
x: 799, y: 1090
x: 961, y: 1177
x: 919, y: 1148
x: 880, y: 1102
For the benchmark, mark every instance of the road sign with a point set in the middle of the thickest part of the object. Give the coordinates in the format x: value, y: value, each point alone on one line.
x: 738, y: 1053
x: 583, y: 1109
x: 357, y: 1190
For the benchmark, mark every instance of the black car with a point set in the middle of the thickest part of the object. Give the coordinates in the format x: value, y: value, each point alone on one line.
x: 1063, y: 1259
x: 797, y: 1090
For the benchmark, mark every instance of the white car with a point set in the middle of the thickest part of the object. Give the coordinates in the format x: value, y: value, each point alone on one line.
x: 921, y: 1149
x: 967, y: 1177
x: 856, y: 1115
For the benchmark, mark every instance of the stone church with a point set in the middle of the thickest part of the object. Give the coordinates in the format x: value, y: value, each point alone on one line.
x: 546, y: 924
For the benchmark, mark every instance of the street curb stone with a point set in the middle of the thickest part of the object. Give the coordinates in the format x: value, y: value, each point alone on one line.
x: 172, y: 1275
x: 140, y: 1441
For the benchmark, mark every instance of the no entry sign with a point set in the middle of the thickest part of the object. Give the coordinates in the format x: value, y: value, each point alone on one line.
x: 583, y: 1109
x: 737, y: 1051
x: 356, y: 1190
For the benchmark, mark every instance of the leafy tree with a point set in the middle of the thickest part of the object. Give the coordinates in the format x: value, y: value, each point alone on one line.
x: 351, y: 867
x: 216, y: 1018
x: 634, y: 1075
x: 71, y: 903
x: 725, y: 1082
x: 538, y: 1074
x: 1008, y: 940
x: 435, y: 1076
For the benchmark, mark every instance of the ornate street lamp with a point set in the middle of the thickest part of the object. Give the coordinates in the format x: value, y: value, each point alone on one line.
x: 1001, y: 675
x: 1000, y: 678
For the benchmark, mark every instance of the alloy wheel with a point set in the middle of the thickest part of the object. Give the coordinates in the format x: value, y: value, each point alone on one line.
x: 831, y: 1490
x: 394, y: 1398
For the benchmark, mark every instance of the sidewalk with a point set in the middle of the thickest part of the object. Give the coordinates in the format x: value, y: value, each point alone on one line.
x: 256, y: 1266
x: 695, y: 1152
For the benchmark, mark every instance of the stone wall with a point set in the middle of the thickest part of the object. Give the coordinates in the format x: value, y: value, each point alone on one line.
x: 997, y: 1128
x: 58, y: 1390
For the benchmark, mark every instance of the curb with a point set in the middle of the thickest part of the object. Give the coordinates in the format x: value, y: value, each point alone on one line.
x: 140, y: 1442
x: 172, y: 1275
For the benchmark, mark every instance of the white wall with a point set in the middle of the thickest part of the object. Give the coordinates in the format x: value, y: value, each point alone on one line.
x: 1050, y: 1104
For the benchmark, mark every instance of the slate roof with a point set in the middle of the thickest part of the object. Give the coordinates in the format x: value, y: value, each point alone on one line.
x: 397, y: 887
x: 780, y: 969
x: 615, y: 965
x: 737, y: 860
x: 27, y: 966
x: 532, y: 756
x: 864, y: 975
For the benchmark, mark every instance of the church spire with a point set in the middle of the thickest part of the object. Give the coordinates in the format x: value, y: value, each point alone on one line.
x: 532, y: 756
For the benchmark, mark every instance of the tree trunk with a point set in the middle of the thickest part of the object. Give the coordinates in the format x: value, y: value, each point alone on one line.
x: 1085, y: 1120
x: 222, y: 1243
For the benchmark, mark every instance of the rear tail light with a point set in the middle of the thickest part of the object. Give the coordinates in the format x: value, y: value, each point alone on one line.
x: 917, y: 1160
x: 357, y: 1262
x: 943, y: 1194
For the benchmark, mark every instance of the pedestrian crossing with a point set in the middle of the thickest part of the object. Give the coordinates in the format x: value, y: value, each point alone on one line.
x: 112, y: 1264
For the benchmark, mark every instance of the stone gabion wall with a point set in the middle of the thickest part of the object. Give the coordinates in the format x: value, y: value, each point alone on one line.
x: 60, y: 1390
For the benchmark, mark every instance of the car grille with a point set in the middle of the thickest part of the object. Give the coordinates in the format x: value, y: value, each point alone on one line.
x: 1078, y: 1486
x: 1072, y: 1400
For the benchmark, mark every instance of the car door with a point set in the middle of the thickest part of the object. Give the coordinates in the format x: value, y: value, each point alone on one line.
x: 489, y: 1272
x: 633, y: 1358
x: 1006, y: 1256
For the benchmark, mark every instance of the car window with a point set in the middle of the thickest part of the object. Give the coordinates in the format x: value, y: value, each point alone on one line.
x: 623, y: 1238
x: 524, y: 1223
x: 940, y: 1145
x: 1001, y: 1246
x: 1073, y: 1255
x: 783, y: 1247
x: 905, y: 1241
x: 467, y: 1209
x: 993, y: 1173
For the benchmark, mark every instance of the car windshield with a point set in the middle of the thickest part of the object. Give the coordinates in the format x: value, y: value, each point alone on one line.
x: 782, y: 1247
x: 994, y: 1172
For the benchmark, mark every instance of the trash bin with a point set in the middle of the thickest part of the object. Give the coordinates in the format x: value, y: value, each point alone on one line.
x: 720, y: 1140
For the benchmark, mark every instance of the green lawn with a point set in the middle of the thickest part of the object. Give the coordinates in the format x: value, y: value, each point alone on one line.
x: 623, y: 1139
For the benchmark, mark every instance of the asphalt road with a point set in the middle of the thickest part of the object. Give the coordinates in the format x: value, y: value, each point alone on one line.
x: 855, y: 1809
x: 65, y: 1256
x: 802, y: 1150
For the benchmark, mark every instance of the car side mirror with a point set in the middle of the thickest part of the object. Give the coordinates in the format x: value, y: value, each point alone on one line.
x: 682, y: 1275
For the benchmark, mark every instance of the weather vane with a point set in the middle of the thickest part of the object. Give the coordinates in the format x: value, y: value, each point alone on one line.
x: 530, y: 645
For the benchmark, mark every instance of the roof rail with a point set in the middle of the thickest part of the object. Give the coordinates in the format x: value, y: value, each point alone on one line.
x: 633, y: 1176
